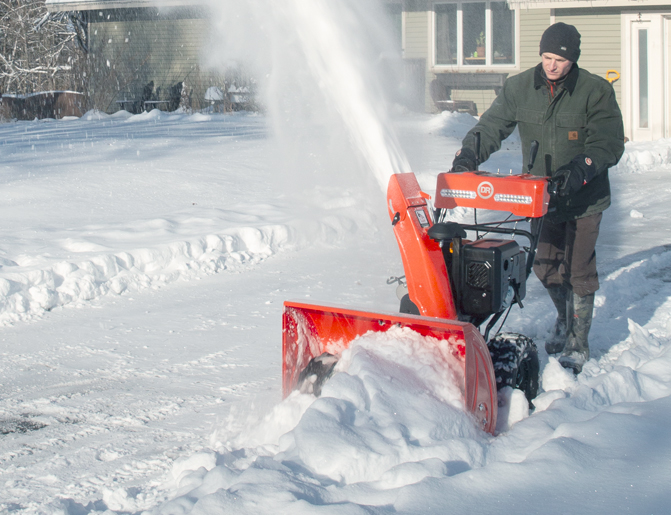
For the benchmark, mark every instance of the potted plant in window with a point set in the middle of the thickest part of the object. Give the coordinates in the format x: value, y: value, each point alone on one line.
x: 480, y: 46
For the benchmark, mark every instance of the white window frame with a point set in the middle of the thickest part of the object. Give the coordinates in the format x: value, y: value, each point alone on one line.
x: 488, y: 66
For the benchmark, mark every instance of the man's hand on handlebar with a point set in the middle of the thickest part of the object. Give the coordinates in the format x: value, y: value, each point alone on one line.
x: 574, y: 175
x: 464, y: 161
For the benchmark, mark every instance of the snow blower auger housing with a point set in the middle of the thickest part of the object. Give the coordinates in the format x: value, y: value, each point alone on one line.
x: 454, y: 286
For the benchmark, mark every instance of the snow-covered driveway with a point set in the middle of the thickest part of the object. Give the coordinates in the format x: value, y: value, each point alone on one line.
x: 144, y: 264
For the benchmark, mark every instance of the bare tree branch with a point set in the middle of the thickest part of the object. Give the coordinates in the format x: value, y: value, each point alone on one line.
x: 40, y: 51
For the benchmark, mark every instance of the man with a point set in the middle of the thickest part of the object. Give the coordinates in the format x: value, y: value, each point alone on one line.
x: 576, y: 120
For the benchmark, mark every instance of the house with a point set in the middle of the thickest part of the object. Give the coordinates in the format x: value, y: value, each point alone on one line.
x: 143, y: 51
x: 144, y: 56
x: 456, y: 53
x: 470, y: 48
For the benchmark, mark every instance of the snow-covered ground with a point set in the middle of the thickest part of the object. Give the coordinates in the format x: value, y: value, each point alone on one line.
x: 144, y: 262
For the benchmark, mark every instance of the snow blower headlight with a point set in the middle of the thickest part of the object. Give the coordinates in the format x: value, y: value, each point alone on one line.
x: 514, y: 199
x: 446, y: 193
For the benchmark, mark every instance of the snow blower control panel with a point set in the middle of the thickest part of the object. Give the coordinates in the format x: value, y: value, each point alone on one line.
x: 522, y: 195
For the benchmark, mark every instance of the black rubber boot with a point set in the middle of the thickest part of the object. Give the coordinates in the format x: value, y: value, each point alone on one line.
x: 561, y: 299
x: 576, y: 352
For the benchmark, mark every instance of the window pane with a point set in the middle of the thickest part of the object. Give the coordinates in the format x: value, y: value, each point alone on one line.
x: 503, y: 33
x: 446, y: 33
x: 643, y: 79
x: 475, y: 40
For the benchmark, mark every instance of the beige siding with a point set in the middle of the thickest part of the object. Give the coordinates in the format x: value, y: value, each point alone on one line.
x: 167, y: 48
x: 533, y: 23
x: 416, y: 35
x: 600, y: 44
x: 417, y: 46
x: 132, y: 53
x: 131, y: 48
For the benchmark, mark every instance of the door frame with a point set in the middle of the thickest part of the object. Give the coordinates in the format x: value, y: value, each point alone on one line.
x: 657, y: 24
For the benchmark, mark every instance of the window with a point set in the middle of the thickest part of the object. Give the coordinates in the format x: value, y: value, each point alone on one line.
x: 503, y: 33
x: 643, y: 78
x: 446, y: 34
x: 474, y: 37
x: 469, y: 34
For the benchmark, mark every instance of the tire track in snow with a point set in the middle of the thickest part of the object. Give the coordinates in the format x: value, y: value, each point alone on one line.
x: 632, y: 288
x: 97, y: 417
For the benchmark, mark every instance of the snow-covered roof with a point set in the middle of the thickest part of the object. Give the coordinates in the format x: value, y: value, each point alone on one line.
x: 565, y: 4
x: 87, y: 5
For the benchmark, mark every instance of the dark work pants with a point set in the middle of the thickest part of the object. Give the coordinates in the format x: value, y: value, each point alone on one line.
x: 566, y: 254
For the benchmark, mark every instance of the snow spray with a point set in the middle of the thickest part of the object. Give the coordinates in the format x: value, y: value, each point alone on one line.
x: 317, y: 63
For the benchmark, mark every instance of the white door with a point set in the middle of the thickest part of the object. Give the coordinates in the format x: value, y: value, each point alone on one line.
x: 646, y: 84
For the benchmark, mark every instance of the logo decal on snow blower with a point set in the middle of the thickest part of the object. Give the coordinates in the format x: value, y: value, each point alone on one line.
x: 485, y: 190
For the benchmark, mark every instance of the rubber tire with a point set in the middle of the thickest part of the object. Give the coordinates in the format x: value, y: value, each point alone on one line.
x: 408, y: 306
x: 316, y: 373
x: 515, y: 360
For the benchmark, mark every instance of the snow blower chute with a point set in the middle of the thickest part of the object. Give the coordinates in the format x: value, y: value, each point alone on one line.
x: 454, y: 286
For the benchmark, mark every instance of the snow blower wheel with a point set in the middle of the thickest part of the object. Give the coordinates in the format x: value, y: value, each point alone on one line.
x: 515, y: 360
x: 313, y: 376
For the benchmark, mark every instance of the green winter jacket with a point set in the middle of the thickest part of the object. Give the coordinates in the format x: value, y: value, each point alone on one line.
x: 582, y: 118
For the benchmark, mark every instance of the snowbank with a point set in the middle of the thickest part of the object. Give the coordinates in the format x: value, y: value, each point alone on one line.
x: 382, y: 426
x: 120, y: 252
x: 25, y: 294
x: 643, y: 156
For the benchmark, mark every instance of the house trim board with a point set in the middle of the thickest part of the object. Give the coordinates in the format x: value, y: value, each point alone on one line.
x: 89, y: 5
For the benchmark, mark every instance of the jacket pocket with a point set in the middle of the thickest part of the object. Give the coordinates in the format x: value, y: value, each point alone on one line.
x: 572, y: 120
x: 571, y: 133
x: 529, y: 116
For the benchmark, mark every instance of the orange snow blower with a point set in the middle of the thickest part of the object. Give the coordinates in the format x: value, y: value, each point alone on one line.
x: 454, y: 285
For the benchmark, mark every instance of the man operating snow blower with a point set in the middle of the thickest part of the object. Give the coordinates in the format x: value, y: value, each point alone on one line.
x: 576, y: 120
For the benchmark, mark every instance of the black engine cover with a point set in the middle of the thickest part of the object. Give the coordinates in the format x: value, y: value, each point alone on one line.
x: 489, y: 268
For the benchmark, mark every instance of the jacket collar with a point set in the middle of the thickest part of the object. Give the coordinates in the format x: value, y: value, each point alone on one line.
x: 569, y: 82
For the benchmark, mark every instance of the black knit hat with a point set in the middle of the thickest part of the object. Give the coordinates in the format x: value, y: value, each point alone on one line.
x: 563, y: 40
